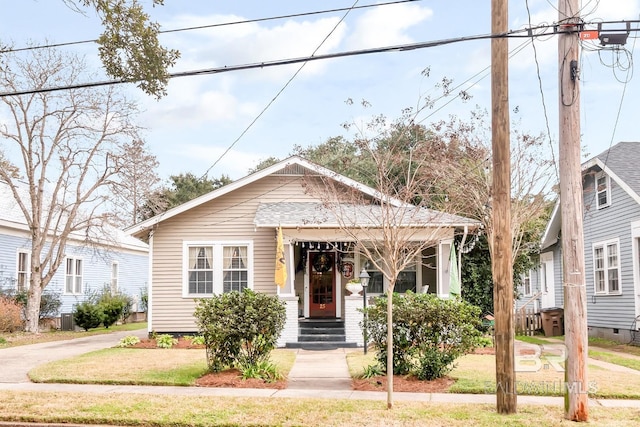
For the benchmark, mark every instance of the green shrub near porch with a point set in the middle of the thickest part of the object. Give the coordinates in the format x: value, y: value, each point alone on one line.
x: 239, y: 328
x: 429, y: 333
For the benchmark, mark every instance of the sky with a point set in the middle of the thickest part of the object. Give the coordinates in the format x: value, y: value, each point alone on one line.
x: 201, y: 117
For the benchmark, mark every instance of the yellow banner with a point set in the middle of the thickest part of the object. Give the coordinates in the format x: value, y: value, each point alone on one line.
x: 281, y: 268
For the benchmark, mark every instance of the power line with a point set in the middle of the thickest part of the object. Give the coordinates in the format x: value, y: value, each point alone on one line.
x: 280, y: 91
x: 223, y: 24
x: 280, y: 62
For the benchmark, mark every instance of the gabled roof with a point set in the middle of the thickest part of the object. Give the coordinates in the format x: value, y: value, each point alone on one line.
x: 316, y: 215
x: 11, y: 216
x: 620, y: 163
x: 294, y: 160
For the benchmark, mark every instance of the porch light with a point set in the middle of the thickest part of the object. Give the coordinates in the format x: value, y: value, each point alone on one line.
x: 364, y: 278
x: 364, y: 281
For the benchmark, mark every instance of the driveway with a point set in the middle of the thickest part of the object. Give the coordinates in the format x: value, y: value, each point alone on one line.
x: 16, y: 362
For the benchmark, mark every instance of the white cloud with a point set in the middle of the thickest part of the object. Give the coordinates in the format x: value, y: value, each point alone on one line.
x: 254, y: 43
x: 387, y: 26
x: 201, y: 156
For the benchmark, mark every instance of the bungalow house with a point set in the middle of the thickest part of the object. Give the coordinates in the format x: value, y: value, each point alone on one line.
x: 611, y: 217
x: 226, y: 241
x: 116, y: 260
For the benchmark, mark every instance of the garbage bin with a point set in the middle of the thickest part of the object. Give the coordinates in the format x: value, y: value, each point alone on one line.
x: 552, y: 321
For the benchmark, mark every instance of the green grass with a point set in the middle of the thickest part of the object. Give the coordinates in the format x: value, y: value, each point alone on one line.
x: 171, y: 367
x: 616, y: 359
x: 532, y: 340
x: 165, y: 411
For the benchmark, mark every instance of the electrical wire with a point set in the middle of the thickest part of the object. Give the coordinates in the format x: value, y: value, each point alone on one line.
x: 279, y: 92
x: 544, y: 104
x: 223, y: 24
x: 280, y: 62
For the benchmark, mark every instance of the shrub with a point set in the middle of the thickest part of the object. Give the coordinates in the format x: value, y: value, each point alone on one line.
x: 239, y: 328
x: 165, y: 341
x: 50, y: 302
x: 112, y: 306
x: 87, y: 315
x: 264, y: 370
x: 197, y: 340
x: 129, y: 341
x: 429, y: 333
x: 10, y: 315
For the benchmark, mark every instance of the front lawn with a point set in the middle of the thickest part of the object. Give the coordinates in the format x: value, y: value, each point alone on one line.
x: 178, y: 367
x: 183, y: 411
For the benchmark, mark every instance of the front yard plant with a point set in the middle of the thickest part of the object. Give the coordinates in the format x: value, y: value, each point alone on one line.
x: 239, y: 328
x: 429, y: 333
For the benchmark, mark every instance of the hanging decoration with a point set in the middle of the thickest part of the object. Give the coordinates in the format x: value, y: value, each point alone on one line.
x: 322, y: 263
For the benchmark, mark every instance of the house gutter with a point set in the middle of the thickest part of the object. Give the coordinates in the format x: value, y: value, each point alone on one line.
x: 464, y: 238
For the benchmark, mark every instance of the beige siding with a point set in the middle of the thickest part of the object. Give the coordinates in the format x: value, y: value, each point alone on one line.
x: 229, y: 217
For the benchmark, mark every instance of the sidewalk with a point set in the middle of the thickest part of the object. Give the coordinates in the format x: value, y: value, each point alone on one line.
x: 315, y: 374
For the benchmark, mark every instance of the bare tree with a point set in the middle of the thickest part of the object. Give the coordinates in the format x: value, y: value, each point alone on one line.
x: 464, y: 175
x: 394, y: 226
x: 66, y: 146
x: 136, y: 183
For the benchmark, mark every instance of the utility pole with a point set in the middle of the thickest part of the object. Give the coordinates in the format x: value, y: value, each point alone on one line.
x: 501, y: 244
x: 571, y: 207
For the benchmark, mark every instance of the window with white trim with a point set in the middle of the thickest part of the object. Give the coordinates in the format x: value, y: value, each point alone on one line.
x: 23, y: 272
x: 526, y: 284
x: 216, y: 267
x: 406, y: 280
x: 115, y: 272
x: 603, y: 190
x: 73, y: 276
x: 606, y: 267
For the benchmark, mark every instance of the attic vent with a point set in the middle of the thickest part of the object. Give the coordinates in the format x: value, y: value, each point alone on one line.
x: 295, y: 169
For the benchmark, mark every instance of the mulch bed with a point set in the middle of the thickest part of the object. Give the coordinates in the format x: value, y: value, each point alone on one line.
x: 231, y: 378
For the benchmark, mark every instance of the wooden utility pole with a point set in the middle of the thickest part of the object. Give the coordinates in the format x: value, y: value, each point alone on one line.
x: 501, y: 262
x: 571, y: 206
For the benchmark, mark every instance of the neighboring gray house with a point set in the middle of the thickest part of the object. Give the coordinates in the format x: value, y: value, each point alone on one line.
x: 611, y: 192
x: 119, y: 261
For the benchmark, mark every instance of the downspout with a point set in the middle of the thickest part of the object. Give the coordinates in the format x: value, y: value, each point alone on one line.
x: 464, y: 238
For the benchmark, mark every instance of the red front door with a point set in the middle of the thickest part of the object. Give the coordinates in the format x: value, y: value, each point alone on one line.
x: 322, y: 284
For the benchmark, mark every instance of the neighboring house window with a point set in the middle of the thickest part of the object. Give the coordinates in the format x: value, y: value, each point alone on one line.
x: 216, y: 268
x: 606, y: 267
x: 115, y: 271
x: 544, y: 285
x: 73, y: 276
x: 603, y: 190
x: 24, y: 270
x: 526, y: 285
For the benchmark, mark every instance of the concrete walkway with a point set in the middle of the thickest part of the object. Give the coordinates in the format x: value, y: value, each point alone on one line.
x: 320, y: 370
x: 316, y: 374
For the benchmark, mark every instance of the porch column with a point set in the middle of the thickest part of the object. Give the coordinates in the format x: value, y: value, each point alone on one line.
x: 353, y: 318
x: 290, y: 331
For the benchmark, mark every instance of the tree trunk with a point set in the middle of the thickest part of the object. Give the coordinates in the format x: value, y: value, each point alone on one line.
x: 389, y: 349
x: 33, y: 303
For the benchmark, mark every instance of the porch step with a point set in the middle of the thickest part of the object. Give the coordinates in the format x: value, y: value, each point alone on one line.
x: 321, y: 334
x: 328, y: 345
